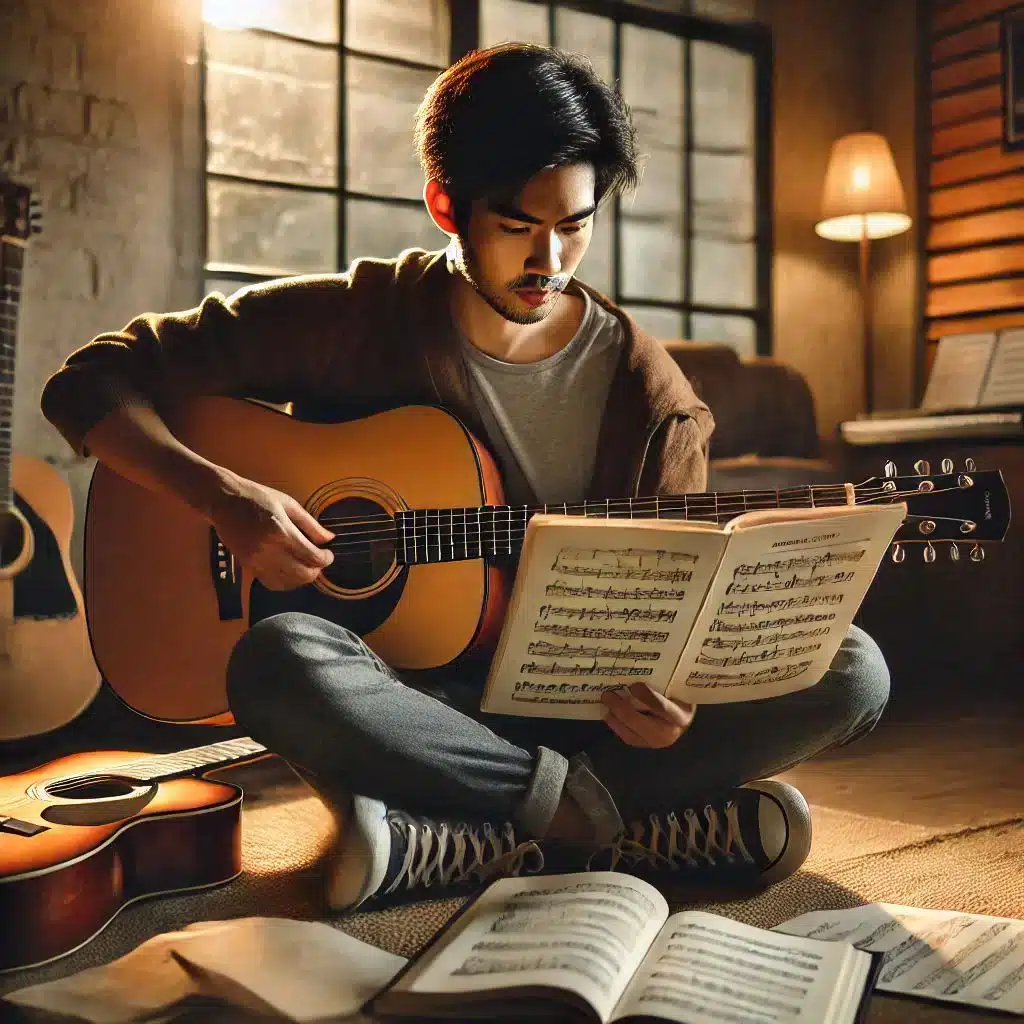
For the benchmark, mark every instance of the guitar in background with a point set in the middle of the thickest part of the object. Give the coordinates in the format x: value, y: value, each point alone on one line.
x: 47, y: 672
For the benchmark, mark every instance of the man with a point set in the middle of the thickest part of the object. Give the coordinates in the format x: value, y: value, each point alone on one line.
x: 520, y: 145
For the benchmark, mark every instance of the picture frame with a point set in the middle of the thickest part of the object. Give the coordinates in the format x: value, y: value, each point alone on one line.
x: 1012, y: 49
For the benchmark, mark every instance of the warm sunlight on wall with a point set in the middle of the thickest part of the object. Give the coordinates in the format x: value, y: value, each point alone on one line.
x: 236, y: 13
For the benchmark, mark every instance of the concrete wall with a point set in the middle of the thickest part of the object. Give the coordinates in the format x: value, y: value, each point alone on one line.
x: 97, y: 114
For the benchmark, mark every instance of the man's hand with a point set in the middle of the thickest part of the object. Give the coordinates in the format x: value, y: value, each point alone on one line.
x: 643, y: 718
x: 270, y: 533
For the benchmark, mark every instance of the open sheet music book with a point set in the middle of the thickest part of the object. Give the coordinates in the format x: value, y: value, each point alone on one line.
x: 702, y: 613
x: 603, y: 943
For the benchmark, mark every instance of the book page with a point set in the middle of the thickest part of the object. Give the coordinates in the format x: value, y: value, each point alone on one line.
x: 782, y: 601
x: 585, y: 933
x: 706, y: 969
x: 958, y: 371
x: 1005, y: 382
x: 598, y: 605
x: 934, y: 954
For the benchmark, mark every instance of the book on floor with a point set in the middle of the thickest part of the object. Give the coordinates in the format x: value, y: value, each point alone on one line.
x: 699, y: 612
x: 604, y: 944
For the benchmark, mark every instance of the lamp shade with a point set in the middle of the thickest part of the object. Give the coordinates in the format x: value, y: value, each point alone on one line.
x: 863, y: 196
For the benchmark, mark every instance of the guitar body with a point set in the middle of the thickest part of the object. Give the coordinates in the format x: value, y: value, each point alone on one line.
x: 103, y: 849
x: 47, y: 671
x: 165, y: 606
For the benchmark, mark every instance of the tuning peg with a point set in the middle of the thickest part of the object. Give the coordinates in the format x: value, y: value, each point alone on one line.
x: 970, y: 465
x: 922, y: 467
x: 890, y: 468
x: 899, y: 553
x: 954, y: 553
x: 977, y: 553
x: 929, y: 553
x: 947, y: 465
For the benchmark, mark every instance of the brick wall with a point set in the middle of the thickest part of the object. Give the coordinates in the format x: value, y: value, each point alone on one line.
x: 97, y: 114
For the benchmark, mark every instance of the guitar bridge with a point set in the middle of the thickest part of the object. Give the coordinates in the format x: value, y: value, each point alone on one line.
x: 227, y: 583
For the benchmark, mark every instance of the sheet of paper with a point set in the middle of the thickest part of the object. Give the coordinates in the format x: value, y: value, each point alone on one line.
x: 934, y: 954
x: 707, y: 969
x: 1005, y: 382
x: 598, y: 613
x: 582, y: 932
x: 296, y: 970
x: 781, y: 604
x: 958, y: 372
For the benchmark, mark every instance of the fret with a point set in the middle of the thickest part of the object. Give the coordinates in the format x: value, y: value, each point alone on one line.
x: 811, y: 491
x: 415, y: 539
x: 607, y: 509
x: 465, y: 535
x: 438, y: 525
x: 630, y: 508
x: 657, y: 510
x: 405, y: 539
x: 508, y: 527
x: 479, y: 536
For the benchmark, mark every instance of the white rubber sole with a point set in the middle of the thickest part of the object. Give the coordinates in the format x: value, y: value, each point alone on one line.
x: 362, y: 858
x: 798, y: 834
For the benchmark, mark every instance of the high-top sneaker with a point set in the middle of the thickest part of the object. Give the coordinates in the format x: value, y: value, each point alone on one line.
x: 389, y: 856
x: 756, y: 836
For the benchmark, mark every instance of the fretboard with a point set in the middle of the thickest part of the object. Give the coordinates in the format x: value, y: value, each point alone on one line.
x: 11, y: 262
x: 157, y: 767
x: 455, y: 534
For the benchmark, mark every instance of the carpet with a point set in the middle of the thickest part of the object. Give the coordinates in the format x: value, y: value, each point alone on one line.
x: 854, y: 859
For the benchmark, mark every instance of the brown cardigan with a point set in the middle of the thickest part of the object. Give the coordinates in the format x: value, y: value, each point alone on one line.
x: 378, y: 336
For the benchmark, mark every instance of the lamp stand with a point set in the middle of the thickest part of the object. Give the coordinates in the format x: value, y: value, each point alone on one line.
x: 868, y: 335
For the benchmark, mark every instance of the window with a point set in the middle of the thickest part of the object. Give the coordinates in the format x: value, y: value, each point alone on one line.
x: 310, y: 162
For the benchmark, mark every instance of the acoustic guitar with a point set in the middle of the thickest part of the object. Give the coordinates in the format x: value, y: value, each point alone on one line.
x: 424, y: 549
x: 85, y: 835
x: 47, y: 672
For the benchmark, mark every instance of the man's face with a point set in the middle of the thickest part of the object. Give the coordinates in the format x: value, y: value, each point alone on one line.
x: 520, y: 251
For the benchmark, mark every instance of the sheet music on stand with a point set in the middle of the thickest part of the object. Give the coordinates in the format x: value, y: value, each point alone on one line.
x: 1004, y: 383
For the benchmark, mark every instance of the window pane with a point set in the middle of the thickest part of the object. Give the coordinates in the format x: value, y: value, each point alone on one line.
x: 269, y: 230
x: 384, y: 230
x: 652, y: 84
x: 416, y: 31
x: 596, y: 267
x: 271, y: 108
x: 723, y: 272
x: 723, y: 98
x: 587, y: 34
x: 307, y: 19
x: 663, y: 324
x: 382, y: 102
x: 503, y: 21
x: 723, y: 196
x: 738, y: 331
x: 652, y: 259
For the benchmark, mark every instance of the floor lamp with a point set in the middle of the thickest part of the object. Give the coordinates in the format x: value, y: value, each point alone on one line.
x: 863, y: 199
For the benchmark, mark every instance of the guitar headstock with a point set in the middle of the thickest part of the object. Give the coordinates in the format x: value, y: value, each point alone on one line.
x: 20, y: 213
x: 970, y: 507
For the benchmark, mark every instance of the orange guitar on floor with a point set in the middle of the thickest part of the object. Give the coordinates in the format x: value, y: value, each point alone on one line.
x: 414, y: 502
x: 83, y: 836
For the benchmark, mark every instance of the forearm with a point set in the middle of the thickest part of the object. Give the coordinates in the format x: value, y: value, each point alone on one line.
x: 136, y: 443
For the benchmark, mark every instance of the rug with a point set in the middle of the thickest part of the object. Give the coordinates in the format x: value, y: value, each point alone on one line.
x: 854, y: 859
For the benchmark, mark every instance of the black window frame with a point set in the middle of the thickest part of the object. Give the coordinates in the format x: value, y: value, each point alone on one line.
x: 751, y: 38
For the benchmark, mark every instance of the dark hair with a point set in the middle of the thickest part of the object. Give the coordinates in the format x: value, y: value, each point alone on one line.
x: 498, y: 116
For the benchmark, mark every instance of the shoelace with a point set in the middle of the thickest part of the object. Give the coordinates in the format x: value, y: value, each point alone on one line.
x: 701, y: 842
x: 437, y: 854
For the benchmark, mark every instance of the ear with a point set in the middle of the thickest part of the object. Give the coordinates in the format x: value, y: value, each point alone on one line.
x: 440, y: 207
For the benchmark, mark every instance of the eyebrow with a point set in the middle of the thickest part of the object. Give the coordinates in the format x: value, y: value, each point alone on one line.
x: 514, y: 213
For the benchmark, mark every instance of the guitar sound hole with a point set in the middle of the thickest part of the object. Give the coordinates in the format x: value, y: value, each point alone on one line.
x: 12, y: 538
x: 364, y: 542
x: 90, y: 789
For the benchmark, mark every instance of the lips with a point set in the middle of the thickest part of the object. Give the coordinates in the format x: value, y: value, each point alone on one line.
x: 533, y: 297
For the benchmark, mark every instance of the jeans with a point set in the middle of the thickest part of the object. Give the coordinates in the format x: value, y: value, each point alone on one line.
x: 315, y: 694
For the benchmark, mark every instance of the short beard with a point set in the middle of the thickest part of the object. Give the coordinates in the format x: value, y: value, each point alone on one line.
x: 463, y: 259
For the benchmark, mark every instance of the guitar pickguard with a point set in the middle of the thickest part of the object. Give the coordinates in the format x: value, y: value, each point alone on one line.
x: 41, y: 589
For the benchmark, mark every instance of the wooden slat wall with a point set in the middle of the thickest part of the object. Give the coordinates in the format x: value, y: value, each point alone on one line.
x: 975, y: 234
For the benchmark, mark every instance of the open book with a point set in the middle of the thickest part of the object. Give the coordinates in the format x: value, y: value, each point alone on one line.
x: 603, y: 943
x: 699, y: 612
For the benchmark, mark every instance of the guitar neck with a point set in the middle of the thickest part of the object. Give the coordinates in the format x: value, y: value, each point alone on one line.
x: 11, y: 262
x: 455, y: 534
x: 158, y: 767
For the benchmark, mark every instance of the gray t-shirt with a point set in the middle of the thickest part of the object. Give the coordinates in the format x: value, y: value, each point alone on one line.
x: 542, y: 418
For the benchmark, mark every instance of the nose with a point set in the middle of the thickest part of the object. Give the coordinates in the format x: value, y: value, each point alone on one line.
x: 546, y: 257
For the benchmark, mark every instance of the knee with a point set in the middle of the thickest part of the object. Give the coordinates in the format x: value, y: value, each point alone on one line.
x: 857, y: 685
x: 267, y: 664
